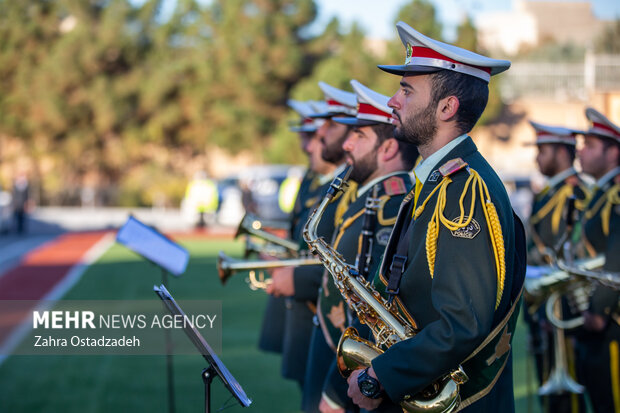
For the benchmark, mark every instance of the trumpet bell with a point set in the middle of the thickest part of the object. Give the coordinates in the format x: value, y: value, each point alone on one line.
x: 251, y: 225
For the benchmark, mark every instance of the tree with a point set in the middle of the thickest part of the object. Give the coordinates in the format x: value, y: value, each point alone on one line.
x: 467, y: 35
x: 104, y: 89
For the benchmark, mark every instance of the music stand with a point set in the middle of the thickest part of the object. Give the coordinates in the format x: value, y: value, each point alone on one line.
x: 216, y: 367
x: 164, y: 253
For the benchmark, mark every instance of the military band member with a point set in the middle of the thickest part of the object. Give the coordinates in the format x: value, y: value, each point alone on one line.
x: 600, y: 355
x: 455, y: 261
x: 555, y: 158
x: 301, y: 284
x: 378, y: 160
x: 272, y: 331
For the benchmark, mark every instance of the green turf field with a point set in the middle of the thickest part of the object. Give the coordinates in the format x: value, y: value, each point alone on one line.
x: 138, y: 383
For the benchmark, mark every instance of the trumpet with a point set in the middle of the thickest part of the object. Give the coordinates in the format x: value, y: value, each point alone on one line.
x: 266, y: 248
x: 227, y: 266
x: 383, y: 319
x: 251, y: 225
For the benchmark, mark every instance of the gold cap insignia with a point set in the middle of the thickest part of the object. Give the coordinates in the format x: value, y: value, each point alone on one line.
x: 409, y: 54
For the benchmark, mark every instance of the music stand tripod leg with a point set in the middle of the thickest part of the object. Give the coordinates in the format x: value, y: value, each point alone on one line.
x: 207, y: 377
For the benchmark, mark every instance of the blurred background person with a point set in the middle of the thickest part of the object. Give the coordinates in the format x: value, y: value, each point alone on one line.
x: 201, y: 199
x: 599, y: 353
x: 21, y: 202
x: 556, y: 148
x: 380, y: 163
x: 301, y: 284
x: 272, y: 330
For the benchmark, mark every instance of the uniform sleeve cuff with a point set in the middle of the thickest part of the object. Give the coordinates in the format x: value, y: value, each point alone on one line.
x: 330, y: 402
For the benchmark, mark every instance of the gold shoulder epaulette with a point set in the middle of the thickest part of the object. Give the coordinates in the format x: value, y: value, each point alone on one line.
x: 452, y: 166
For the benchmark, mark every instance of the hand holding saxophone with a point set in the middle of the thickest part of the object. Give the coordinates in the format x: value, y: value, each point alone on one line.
x: 355, y: 392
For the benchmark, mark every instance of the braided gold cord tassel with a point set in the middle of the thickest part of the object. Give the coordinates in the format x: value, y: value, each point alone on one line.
x: 563, y: 194
x: 431, y: 245
x: 612, y: 198
x: 476, y: 185
x: 499, y: 249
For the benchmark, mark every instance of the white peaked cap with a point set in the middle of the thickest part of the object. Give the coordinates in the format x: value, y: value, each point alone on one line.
x: 339, y: 102
x: 426, y: 55
x: 372, y: 107
x: 554, y: 134
x: 601, y: 126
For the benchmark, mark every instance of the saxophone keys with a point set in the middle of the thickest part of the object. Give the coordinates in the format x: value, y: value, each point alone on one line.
x: 459, y: 375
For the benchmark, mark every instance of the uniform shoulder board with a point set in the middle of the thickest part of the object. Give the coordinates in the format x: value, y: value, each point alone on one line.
x: 394, y: 185
x: 452, y: 166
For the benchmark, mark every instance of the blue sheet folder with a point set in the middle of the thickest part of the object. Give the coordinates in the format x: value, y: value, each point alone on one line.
x: 154, y: 246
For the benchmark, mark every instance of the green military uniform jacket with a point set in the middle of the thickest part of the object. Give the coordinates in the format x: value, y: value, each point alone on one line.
x: 457, y: 306
x: 332, y: 311
x: 309, y: 191
x: 547, y: 220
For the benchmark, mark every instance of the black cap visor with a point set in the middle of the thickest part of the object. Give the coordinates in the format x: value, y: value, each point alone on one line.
x: 358, y: 122
x: 409, y: 69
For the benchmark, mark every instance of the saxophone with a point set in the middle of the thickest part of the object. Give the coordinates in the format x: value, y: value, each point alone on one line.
x: 382, y: 317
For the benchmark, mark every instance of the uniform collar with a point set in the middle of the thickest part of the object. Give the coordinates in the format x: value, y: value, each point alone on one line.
x: 557, y: 178
x: 424, y: 169
x: 370, y: 184
x: 607, y: 177
x: 323, y: 179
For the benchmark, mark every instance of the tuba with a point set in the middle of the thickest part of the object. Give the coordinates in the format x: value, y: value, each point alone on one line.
x: 227, y: 266
x: 387, y: 325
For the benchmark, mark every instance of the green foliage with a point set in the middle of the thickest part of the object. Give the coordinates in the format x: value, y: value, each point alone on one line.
x: 106, y: 94
x: 422, y: 16
x: 466, y: 35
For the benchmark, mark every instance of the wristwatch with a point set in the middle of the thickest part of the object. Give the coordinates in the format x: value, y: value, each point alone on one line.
x: 369, y: 386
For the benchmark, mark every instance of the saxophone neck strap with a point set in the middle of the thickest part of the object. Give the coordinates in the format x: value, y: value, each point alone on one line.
x: 399, y: 262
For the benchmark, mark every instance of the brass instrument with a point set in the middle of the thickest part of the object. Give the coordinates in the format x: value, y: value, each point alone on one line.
x: 265, y: 248
x: 251, y: 225
x: 576, y: 280
x: 591, y: 269
x: 387, y: 325
x: 227, y: 266
x: 539, y: 289
x: 559, y: 380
